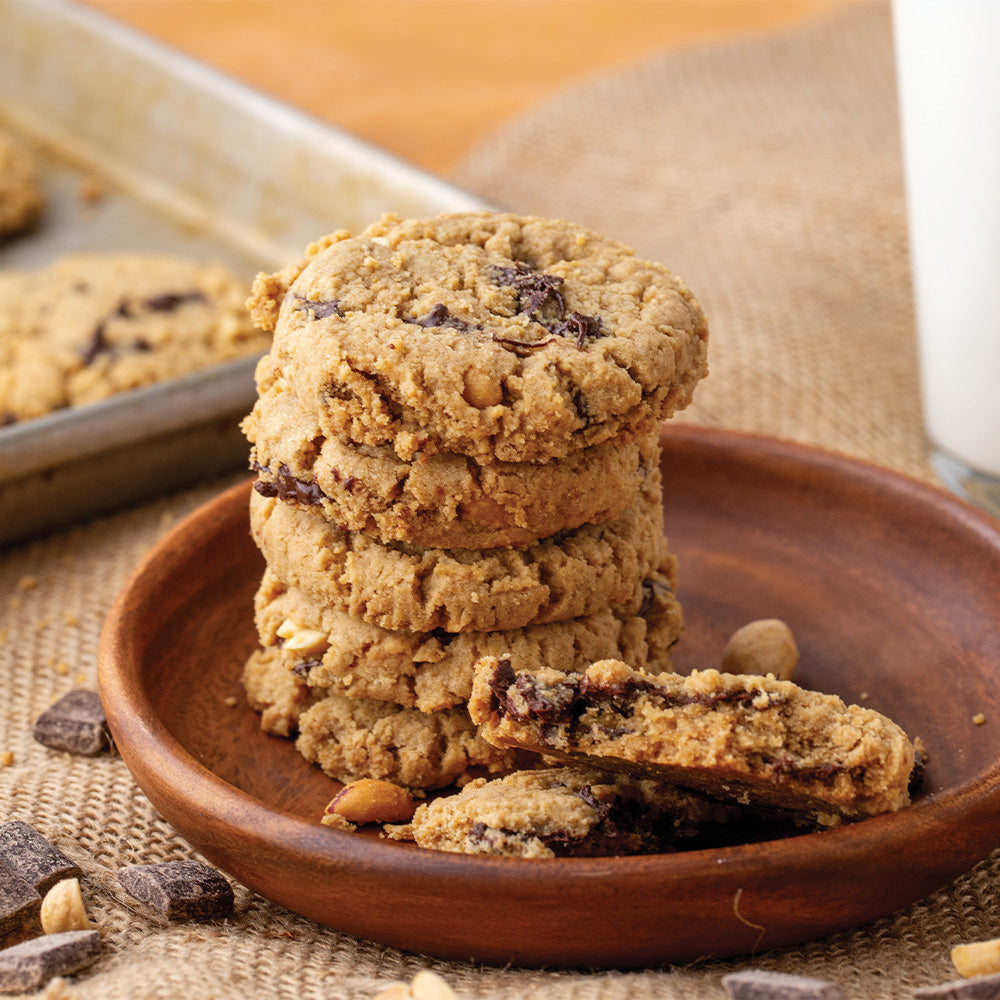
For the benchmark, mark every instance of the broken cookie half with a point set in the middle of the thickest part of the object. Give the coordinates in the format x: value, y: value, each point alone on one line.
x: 743, y: 739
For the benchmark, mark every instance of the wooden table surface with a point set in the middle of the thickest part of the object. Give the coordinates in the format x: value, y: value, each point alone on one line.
x: 426, y: 78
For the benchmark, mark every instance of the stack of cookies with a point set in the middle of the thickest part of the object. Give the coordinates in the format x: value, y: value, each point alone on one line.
x: 456, y: 444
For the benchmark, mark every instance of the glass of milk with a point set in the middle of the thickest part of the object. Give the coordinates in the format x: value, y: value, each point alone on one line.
x: 948, y: 70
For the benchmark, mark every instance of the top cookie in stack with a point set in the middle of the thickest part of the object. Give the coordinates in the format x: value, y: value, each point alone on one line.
x: 456, y: 432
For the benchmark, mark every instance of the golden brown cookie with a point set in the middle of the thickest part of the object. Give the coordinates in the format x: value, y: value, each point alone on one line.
x: 415, y: 589
x: 561, y: 812
x: 93, y: 324
x: 501, y: 337
x: 433, y: 670
x: 444, y: 500
x: 749, y: 739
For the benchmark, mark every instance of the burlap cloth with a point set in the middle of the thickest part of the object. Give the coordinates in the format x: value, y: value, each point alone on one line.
x: 767, y: 172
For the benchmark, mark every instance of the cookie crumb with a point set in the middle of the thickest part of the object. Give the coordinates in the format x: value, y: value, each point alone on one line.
x: 230, y: 701
x: 979, y: 719
x: 6, y: 758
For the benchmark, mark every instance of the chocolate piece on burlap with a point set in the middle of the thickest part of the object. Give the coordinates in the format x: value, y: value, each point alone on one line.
x: 20, y: 908
x: 767, y: 173
x: 180, y: 890
x: 75, y: 723
x: 31, y: 964
x: 33, y: 857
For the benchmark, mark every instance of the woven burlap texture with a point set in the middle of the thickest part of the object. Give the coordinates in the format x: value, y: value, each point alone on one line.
x: 767, y: 173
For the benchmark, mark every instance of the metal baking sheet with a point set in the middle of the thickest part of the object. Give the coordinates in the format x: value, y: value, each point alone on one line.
x: 181, y: 159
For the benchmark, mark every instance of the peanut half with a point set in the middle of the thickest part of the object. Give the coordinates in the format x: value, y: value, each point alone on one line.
x: 981, y: 958
x: 372, y: 801
x: 63, y: 909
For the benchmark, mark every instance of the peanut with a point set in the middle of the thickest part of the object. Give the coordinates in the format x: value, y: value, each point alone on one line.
x: 765, y: 646
x: 63, y: 909
x: 480, y: 390
x: 395, y: 991
x: 372, y: 801
x: 981, y: 958
x: 429, y: 985
x: 302, y: 640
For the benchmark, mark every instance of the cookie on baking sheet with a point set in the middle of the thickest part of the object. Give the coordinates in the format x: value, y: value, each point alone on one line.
x: 561, y: 812
x: 433, y: 670
x: 416, y: 589
x: 350, y: 738
x: 21, y: 197
x: 501, y: 337
x: 93, y: 324
x: 445, y: 500
x: 749, y: 739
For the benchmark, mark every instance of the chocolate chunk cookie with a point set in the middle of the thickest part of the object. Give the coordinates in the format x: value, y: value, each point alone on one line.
x: 433, y: 670
x: 561, y: 812
x: 444, y: 500
x: 352, y: 739
x: 21, y: 198
x: 416, y: 589
x: 501, y: 337
x: 747, y: 739
x: 91, y: 325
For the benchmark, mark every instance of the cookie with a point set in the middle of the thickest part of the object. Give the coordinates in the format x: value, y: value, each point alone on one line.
x: 91, y: 325
x: 501, y: 337
x: 560, y: 812
x: 411, y: 588
x: 279, y: 695
x: 748, y: 739
x: 352, y: 739
x: 21, y: 197
x: 433, y: 670
x: 443, y: 500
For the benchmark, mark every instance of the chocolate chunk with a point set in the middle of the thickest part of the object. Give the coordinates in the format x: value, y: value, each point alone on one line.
x: 30, y: 965
x: 761, y: 984
x: 96, y: 346
x: 32, y: 857
x: 441, y: 316
x: 169, y: 301
x: 977, y: 988
x: 75, y: 723
x: 321, y: 309
x: 287, y: 488
x: 20, y: 908
x: 540, y: 297
x: 180, y: 890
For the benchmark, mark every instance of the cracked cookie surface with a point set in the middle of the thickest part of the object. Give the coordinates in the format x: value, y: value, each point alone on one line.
x: 752, y: 740
x: 416, y: 589
x: 444, y: 500
x: 433, y: 670
x: 90, y: 325
x: 492, y: 335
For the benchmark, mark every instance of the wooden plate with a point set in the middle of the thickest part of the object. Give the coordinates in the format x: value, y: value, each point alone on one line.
x: 893, y: 591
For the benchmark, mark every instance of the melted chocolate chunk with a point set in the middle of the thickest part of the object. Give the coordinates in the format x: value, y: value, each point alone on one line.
x: 304, y: 667
x: 169, y: 301
x: 651, y: 590
x: 540, y: 298
x: 441, y: 316
x: 287, y: 488
x: 320, y: 309
x: 97, y: 345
